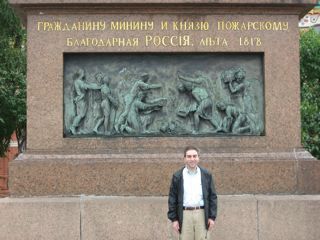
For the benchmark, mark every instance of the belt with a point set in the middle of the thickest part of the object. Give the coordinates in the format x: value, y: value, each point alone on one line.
x: 193, y: 208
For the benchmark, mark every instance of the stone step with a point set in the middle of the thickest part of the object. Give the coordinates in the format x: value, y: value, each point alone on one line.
x: 241, y: 217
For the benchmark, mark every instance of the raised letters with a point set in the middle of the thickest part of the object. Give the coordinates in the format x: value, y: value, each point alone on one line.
x: 190, y: 26
x: 98, y: 42
x: 131, y: 33
x: 58, y: 26
x: 165, y: 41
x: 131, y: 25
x: 249, y: 26
x: 250, y: 41
x: 213, y: 41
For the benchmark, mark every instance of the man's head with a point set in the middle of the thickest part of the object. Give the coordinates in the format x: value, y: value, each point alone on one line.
x: 79, y: 74
x: 180, y: 87
x: 221, y: 106
x: 240, y: 74
x: 198, y: 74
x: 227, y: 76
x: 191, y: 157
x: 145, y: 77
x: 106, y: 80
x: 99, y: 76
x: 185, y: 86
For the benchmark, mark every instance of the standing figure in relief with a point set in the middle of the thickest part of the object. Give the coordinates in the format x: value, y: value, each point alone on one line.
x: 80, y: 100
x: 108, y: 100
x: 234, y: 79
x: 204, y: 104
x: 238, y: 85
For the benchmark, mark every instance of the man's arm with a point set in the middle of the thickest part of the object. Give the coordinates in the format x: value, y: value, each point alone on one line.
x: 236, y: 88
x: 92, y: 86
x: 113, y: 100
x: 213, y: 201
x: 146, y: 86
x: 190, y: 79
x: 173, y: 205
x: 173, y: 200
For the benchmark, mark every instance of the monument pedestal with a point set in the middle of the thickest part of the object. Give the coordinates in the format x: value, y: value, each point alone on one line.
x: 295, y: 172
x: 268, y: 186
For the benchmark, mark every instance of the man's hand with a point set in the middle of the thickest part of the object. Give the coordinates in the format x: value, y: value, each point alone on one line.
x: 175, y: 226
x: 211, y: 223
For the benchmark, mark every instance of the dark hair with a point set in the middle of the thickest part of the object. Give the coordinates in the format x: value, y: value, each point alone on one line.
x: 187, y: 148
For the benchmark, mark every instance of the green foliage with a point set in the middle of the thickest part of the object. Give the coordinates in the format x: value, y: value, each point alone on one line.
x: 310, y: 91
x: 12, y: 77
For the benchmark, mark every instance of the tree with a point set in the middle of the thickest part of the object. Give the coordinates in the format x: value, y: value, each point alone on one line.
x: 310, y: 91
x: 12, y: 78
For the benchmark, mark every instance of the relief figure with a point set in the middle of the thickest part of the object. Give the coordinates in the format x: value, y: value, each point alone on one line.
x: 235, y: 81
x: 202, y: 107
x: 80, y: 101
x: 138, y: 86
x: 237, y: 85
x: 108, y: 101
x: 139, y: 117
x: 234, y: 121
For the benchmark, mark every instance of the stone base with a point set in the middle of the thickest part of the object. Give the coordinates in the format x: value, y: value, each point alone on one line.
x: 241, y: 217
x: 293, y: 172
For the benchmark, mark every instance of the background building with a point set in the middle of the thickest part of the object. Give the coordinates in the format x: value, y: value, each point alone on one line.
x: 312, y: 19
x: 11, y: 154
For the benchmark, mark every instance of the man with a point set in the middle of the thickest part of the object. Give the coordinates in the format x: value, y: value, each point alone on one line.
x: 192, y: 199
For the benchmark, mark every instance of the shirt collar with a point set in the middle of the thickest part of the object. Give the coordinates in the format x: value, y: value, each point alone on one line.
x: 191, y: 172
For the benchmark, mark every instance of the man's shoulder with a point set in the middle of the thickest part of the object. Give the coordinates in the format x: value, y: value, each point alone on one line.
x: 205, y: 171
x: 178, y: 173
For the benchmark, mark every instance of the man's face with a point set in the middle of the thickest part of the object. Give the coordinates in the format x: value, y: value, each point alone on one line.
x: 191, y: 159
